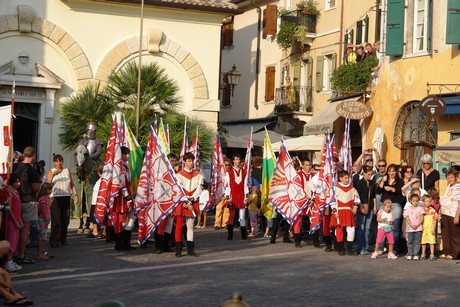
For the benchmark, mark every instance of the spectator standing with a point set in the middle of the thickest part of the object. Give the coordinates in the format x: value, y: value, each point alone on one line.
x: 450, y: 213
x: 350, y: 56
x: 43, y: 218
x: 414, y: 221
x: 429, y: 177
x: 430, y: 219
x: 366, y: 210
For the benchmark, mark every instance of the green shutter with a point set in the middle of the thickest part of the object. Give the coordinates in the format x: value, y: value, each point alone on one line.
x: 334, y: 61
x: 319, y: 73
x: 366, y: 29
x: 308, y: 105
x: 395, y: 27
x: 453, y: 22
x: 296, y: 70
x: 359, y: 32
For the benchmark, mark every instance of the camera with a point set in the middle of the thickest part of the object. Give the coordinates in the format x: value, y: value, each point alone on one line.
x: 40, y: 167
x: 4, y: 207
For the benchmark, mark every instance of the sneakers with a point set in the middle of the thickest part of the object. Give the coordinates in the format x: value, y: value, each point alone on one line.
x: 382, y: 252
x: 409, y: 257
x: 422, y: 257
x: 364, y: 252
x: 392, y: 256
x: 11, y: 267
x: 416, y: 258
x: 374, y: 255
x: 432, y: 258
x: 267, y: 236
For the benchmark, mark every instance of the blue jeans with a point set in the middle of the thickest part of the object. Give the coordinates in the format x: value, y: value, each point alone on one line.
x: 363, y: 226
x: 396, y: 210
x: 413, y: 243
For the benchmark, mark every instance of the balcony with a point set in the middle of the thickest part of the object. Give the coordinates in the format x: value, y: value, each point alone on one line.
x: 298, y: 100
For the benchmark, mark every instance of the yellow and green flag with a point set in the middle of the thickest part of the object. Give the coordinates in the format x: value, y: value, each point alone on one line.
x: 268, y: 168
x: 162, y: 138
x: 135, y: 158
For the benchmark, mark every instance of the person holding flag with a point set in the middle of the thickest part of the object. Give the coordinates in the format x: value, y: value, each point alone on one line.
x: 236, y: 190
x: 191, y: 181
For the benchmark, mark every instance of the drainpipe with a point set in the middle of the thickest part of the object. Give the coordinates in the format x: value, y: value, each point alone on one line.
x: 383, y: 13
x: 259, y: 30
x: 341, y: 33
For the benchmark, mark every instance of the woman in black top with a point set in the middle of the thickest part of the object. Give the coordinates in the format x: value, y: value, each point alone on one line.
x: 429, y: 177
x: 390, y: 188
x: 368, y: 207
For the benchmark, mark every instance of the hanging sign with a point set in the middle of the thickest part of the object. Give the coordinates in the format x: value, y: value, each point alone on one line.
x: 432, y: 105
x: 354, y: 110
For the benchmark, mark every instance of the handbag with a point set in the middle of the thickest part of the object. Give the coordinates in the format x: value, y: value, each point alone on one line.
x: 364, y: 208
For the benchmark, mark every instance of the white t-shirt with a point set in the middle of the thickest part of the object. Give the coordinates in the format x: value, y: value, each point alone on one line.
x: 204, y: 198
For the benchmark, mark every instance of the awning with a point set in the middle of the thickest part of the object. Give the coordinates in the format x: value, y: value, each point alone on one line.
x: 452, y: 104
x: 448, y: 153
x: 322, y: 121
x: 236, y: 141
x: 303, y: 143
x: 243, y: 129
x: 258, y: 137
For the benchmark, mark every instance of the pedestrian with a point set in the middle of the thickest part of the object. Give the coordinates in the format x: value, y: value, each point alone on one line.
x: 14, y: 224
x: 429, y: 177
x: 434, y: 194
x: 366, y: 210
x: 344, y: 209
x: 95, y: 232
x: 450, y: 214
x: 385, y: 221
x: 414, y: 225
x: 44, y: 217
x: 222, y: 210
x: 203, y: 200
x: 253, y: 208
x: 430, y: 219
x: 63, y: 187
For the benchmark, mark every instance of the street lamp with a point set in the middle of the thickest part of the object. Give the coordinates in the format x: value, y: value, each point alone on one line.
x: 233, y: 78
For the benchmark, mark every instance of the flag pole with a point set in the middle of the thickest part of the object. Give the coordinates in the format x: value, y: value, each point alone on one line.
x: 138, y: 101
x: 10, y: 147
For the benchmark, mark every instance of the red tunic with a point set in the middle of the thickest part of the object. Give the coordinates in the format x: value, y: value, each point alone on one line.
x: 236, y: 177
x: 191, y: 183
x: 346, y: 197
x: 305, y: 179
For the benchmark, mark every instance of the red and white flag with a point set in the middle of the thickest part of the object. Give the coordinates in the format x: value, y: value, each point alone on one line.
x: 217, y: 176
x: 195, y: 150
x: 184, y: 147
x: 113, y: 174
x: 286, y: 191
x: 345, y: 158
x: 158, y: 193
x: 247, y: 165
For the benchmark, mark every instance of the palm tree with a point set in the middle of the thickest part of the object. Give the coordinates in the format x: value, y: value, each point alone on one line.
x: 158, y: 98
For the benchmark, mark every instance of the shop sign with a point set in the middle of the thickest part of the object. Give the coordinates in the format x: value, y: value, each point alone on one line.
x: 354, y: 110
x: 432, y: 105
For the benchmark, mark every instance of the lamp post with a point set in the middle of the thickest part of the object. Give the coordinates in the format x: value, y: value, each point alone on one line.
x: 233, y: 78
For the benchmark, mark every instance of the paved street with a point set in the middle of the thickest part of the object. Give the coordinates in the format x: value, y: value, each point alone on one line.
x: 89, y: 271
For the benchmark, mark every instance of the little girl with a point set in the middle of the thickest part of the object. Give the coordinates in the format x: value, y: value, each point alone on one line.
x: 414, y: 225
x: 14, y: 224
x: 43, y: 218
x: 385, y: 221
x: 204, y: 198
x: 253, y: 208
x: 429, y: 227
x: 434, y: 194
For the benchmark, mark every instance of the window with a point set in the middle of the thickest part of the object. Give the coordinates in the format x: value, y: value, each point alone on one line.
x: 270, y: 83
x: 453, y: 22
x: 270, y: 19
x: 421, y: 25
x: 395, y: 27
x: 330, y: 4
x: 362, y: 27
x: 226, y: 98
x: 227, y: 32
x: 327, y: 72
x: 325, y: 64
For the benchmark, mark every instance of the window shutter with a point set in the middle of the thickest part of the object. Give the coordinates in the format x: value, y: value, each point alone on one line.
x: 378, y: 17
x: 453, y: 22
x: 226, y: 99
x: 365, y: 29
x: 319, y: 73
x: 269, y: 23
x: 296, y: 70
x: 359, y: 32
x: 227, y: 32
x: 270, y: 83
x: 309, y: 83
x: 345, y: 42
x: 334, y: 61
x: 395, y: 27
x: 351, y: 34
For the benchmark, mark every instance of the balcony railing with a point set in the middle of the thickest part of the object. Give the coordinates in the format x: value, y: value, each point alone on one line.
x: 296, y: 99
x: 300, y: 19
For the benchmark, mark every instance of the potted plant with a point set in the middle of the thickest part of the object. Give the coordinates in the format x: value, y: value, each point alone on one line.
x: 285, y: 37
x: 300, y: 33
x: 308, y: 7
x: 353, y: 78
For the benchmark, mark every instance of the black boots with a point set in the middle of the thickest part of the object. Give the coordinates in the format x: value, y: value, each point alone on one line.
x: 165, y: 246
x: 350, y: 249
x: 158, y: 244
x: 297, y: 240
x: 244, y: 233
x: 230, y: 232
x: 315, y: 238
x: 178, y: 249
x: 126, y: 239
x: 328, y: 241
x: 191, y: 249
x: 109, y: 234
x: 118, y: 241
x: 287, y: 240
x: 340, y: 248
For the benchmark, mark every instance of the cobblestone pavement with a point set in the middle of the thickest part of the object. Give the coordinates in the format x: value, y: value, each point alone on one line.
x: 87, y: 272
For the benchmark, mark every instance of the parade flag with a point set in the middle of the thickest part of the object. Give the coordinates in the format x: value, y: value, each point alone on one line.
x: 135, y: 156
x: 184, y: 147
x: 217, y: 176
x: 195, y: 150
x: 333, y: 146
x: 158, y: 193
x: 247, y: 165
x: 324, y: 189
x: 167, y: 138
x: 268, y: 168
x: 345, y: 158
x: 286, y: 191
x: 162, y: 137
x: 113, y: 177
x: 155, y: 124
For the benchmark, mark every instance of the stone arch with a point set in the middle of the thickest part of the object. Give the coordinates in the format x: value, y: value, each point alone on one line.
x: 130, y: 47
x: 26, y: 22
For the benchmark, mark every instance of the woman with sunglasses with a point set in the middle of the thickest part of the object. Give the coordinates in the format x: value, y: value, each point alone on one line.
x: 390, y: 187
x: 429, y: 177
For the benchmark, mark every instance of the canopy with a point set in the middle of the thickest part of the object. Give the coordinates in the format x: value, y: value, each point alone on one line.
x: 243, y: 129
x: 258, y: 137
x: 323, y: 121
x: 303, y: 143
x: 449, y: 152
x: 236, y: 142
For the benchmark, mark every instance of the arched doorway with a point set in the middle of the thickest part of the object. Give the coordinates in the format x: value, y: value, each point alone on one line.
x: 415, y: 133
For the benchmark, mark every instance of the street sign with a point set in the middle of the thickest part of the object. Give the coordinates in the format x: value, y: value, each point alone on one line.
x: 432, y: 105
x: 354, y: 110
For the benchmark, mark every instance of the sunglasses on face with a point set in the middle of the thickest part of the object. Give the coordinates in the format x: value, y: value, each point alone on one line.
x: 369, y: 160
x: 382, y: 165
x: 426, y: 163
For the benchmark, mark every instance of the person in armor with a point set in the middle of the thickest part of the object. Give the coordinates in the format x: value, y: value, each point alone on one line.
x: 91, y: 142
